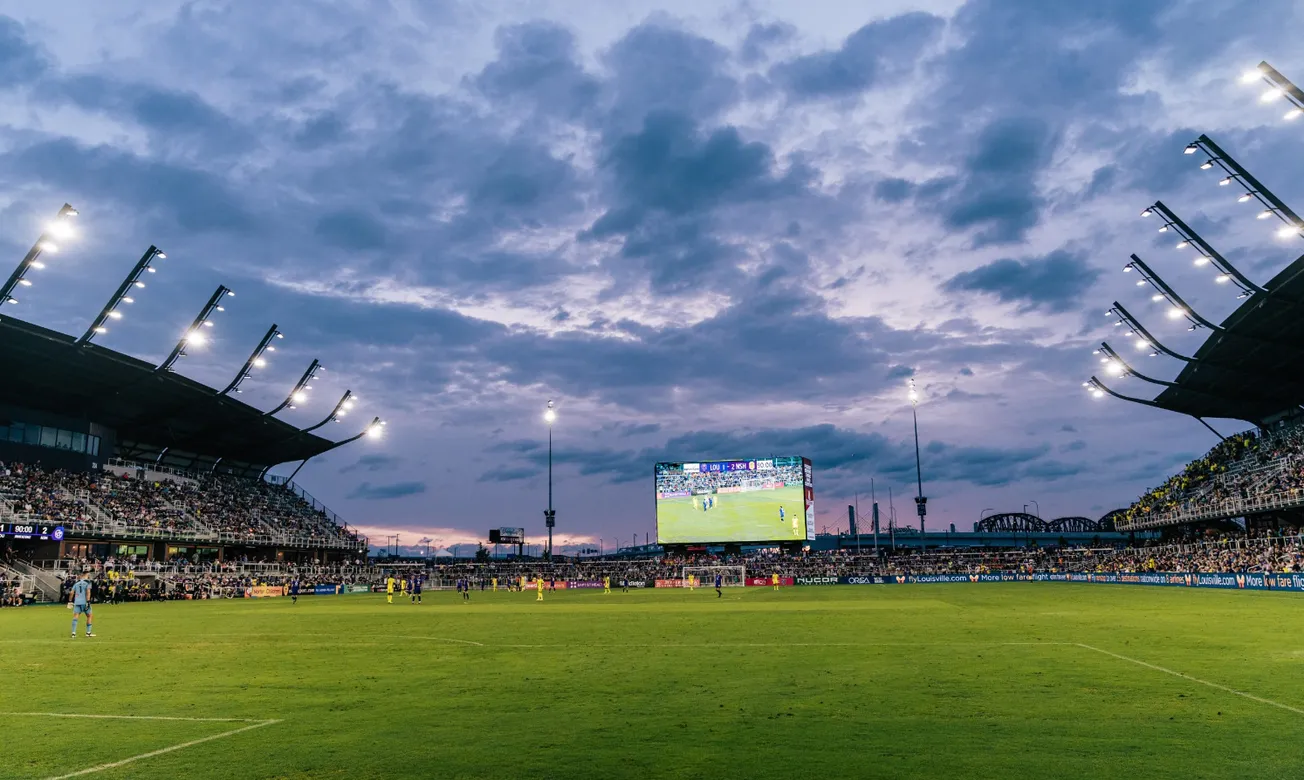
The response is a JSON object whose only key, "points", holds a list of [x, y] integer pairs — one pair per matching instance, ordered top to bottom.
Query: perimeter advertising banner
{"points": [[756, 582]]}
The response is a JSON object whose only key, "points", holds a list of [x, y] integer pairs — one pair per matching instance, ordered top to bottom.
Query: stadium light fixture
{"points": [[1278, 87], [1253, 188], [44, 244], [1207, 254], [119, 297], [1179, 308], [194, 335], [256, 360], [297, 394], [337, 414], [921, 502], [550, 514]]}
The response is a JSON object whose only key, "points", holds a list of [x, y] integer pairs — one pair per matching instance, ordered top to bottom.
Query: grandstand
{"points": [[1247, 369], [103, 454]]}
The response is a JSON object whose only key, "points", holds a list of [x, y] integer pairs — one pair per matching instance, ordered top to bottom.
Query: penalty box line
{"points": [[1185, 676], [251, 725]]}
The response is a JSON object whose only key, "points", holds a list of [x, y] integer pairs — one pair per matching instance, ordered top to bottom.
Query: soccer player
{"points": [[780, 514], [495, 580], [719, 580], [774, 580], [690, 581], [552, 583], [624, 584], [538, 585], [606, 585], [403, 586], [389, 589], [416, 589], [466, 590], [294, 591], [81, 603]]}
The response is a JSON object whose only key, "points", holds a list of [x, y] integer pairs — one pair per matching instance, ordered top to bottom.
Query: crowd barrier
{"points": [[1224, 580]]}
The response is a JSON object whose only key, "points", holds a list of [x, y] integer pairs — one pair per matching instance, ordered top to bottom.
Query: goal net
{"points": [[704, 576]]}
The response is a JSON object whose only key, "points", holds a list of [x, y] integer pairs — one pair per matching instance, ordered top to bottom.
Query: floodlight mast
{"points": [[1288, 90], [1252, 186], [1208, 253], [32, 258], [121, 296], [1180, 306], [1137, 329], [195, 332], [255, 359], [1124, 369], [297, 394], [337, 414], [374, 430]]}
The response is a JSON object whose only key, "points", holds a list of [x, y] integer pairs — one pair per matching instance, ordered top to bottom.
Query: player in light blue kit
{"points": [[81, 603]]}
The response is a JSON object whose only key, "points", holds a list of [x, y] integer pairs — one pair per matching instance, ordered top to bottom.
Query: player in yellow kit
{"points": [[774, 580], [495, 581], [538, 584], [606, 584], [389, 589]]}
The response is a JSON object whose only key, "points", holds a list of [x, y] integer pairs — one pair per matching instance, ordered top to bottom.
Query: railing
{"points": [[1219, 510]]}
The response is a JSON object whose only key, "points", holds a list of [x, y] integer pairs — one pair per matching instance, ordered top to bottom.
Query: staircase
{"points": [[45, 586]]}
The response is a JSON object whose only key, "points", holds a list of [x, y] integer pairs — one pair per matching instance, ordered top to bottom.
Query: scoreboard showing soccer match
{"points": [[760, 500]]}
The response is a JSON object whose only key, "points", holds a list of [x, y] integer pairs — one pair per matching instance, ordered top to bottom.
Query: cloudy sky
{"points": [[706, 229]]}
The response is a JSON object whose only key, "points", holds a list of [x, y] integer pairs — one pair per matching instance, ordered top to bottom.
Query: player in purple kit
{"points": [[415, 590]]}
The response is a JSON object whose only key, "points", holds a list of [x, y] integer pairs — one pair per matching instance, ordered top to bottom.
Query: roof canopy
{"points": [[1253, 369], [155, 413]]}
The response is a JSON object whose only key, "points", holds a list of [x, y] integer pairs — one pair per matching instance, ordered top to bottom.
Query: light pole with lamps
{"points": [[921, 503], [550, 515]]}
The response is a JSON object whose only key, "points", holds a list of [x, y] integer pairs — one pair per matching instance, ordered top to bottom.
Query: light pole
{"points": [[60, 228], [921, 503], [550, 516]]}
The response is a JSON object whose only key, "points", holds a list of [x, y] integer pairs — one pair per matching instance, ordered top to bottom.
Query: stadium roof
{"points": [[1252, 367], [158, 415]]}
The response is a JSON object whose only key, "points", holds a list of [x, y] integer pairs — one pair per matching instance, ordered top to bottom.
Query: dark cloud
{"points": [[761, 38], [879, 50], [21, 61], [538, 63], [657, 68], [669, 182], [997, 192], [192, 199], [351, 229], [1054, 283], [966, 371], [838, 454], [373, 462], [369, 492]]}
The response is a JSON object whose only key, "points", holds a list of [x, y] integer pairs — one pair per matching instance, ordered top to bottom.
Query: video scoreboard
{"points": [[43, 531]]}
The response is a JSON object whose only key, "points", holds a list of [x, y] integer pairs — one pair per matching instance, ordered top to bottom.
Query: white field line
{"points": [[1213, 685], [161, 751]]}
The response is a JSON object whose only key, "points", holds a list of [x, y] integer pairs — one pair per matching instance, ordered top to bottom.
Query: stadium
{"points": [[243, 629]]}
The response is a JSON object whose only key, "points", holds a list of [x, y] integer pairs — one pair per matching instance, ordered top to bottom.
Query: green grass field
{"points": [[752, 516], [924, 681]]}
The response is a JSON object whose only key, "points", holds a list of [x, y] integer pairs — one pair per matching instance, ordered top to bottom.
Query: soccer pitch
{"points": [[750, 516], [1017, 680]]}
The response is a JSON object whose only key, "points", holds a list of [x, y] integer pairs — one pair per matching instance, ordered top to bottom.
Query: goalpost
{"points": [[704, 576]]}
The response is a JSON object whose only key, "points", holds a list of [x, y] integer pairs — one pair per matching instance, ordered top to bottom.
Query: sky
{"points": [[706, 230]]}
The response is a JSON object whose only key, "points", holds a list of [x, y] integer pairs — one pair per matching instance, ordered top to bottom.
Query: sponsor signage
{"points": [[817, 580], [756, 582], [669, 583], [583, 584], [360, 588], [325, 590], [264, 591]]}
